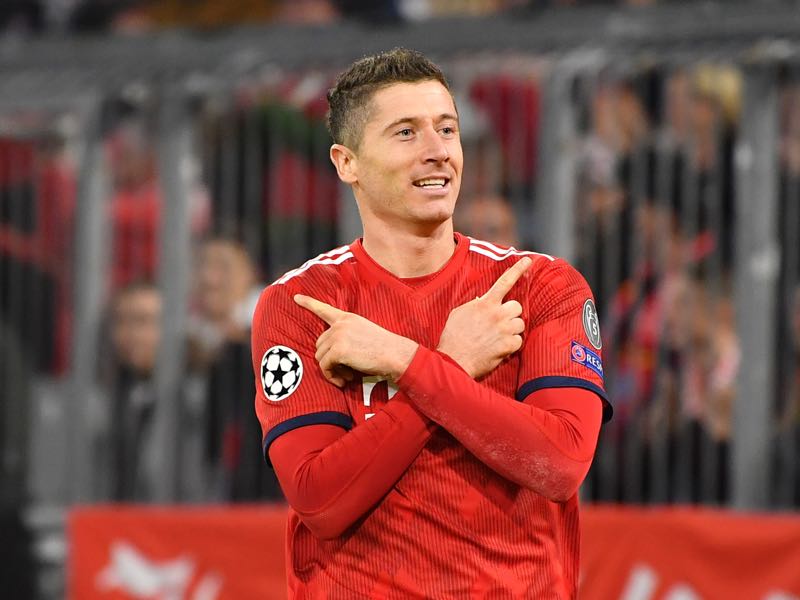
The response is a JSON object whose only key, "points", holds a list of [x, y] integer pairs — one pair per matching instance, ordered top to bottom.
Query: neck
{"points": [[411, 254]]}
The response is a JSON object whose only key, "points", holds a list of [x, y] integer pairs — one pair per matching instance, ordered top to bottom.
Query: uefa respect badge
{"points": [[583, 356]]}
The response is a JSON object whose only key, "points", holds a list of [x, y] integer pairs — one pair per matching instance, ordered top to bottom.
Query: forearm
{"points": [[548, 451], [332, 478]]}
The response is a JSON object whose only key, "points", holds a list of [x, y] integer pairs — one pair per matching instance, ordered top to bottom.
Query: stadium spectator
{"points": [[318, 12], [205, 14], [22, 16], [136, 16], [512, 107], [619, 129], [790, 129], [482, 150], [705, 180], [296, 182], [675, 187], [300, 189], [37, 202], [136, 204], [489, 218], [226, 290], [638, 315], [639, 328], [135, 333], [704, 351], [718, 362], [709, 366], [15, 397], [127, 403], [793, 406], [689, 407], [788, 432], [127, 450], [787, 465], [17, 561], [18, 568]]}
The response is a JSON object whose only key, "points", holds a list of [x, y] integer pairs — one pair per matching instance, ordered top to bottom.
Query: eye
{"points": [[448, 130], [406, 132]]}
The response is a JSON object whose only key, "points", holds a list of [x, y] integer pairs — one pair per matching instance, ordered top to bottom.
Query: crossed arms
{"points": [[332, 477]]}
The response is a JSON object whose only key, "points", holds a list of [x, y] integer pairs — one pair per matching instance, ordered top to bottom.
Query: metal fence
{"points": [[149, 188]]}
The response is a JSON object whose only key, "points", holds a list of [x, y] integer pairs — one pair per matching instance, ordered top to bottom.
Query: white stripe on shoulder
{"points": [[498, 254], [334, 257]]}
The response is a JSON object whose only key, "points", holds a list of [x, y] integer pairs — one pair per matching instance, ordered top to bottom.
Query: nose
{"points": [[435, 149]]}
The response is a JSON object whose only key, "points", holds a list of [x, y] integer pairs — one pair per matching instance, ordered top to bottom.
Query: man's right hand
{"points": [[478, 335]]}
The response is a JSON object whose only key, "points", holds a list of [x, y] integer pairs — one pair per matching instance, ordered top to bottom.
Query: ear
{"points": [[344, 160]]}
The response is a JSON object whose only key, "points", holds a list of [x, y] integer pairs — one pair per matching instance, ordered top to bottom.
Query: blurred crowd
{"points": [[136, 16], [657, 210], [655, 222], [654, 228], [657, 238], [220, 443], [220, 455]]}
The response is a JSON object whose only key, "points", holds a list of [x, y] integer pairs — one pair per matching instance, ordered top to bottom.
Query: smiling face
{"points": [[406, 172]]}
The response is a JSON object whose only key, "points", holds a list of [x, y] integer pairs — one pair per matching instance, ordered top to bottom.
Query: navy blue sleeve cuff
{"points": [[540, 383], [319, 418]]}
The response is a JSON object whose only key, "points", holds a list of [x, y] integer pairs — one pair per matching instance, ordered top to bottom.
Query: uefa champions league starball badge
{"points": [[281, 372]]}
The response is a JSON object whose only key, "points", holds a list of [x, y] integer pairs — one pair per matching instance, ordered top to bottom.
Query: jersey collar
{"points": [[434, 282]]}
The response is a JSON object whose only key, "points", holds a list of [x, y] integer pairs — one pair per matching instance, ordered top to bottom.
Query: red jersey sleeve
{"points": [[562, 346], [291, 391]]}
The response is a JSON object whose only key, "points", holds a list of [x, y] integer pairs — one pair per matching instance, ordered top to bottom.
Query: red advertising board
{"points": [[132, 553], [226, 553], [688, 554]]}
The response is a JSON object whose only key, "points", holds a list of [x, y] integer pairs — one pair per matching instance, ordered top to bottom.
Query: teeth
{"points": [[430, 183]]}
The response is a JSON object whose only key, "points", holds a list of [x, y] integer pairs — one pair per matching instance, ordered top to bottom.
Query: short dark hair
{"points": [[349, 100]]}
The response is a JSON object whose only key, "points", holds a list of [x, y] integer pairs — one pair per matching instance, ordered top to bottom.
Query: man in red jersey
{"points": [[430, 402]]}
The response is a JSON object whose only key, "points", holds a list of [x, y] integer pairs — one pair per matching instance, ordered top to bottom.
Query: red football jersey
{"points": [[451, 527]]}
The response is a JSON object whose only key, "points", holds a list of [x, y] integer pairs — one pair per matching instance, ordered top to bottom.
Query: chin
{"points": [[442, 208], [435, 211], [433, 221]]}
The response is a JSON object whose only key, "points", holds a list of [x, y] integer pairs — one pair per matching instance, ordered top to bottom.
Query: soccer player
{"points": [[430, 402]]}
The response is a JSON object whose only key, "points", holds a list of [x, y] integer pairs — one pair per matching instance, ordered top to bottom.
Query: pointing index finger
{"points": [[506, 281], [326, 312]]}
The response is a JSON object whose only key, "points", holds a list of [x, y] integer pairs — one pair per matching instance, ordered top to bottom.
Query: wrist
{"points": [[402, 356], [462, 361], [453, 362]]}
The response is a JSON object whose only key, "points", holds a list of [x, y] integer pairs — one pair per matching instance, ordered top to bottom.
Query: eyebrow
{"points": [[440, 118]]}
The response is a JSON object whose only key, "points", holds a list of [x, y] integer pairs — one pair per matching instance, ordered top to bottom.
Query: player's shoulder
{"points": [[500, 256], [322, 271], [547, 271], [319, 277]]}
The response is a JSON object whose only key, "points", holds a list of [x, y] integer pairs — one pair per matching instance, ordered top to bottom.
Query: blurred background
{"points": [[163, 160]]}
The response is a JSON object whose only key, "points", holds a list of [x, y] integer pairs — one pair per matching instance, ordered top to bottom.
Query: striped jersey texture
{"points": [[451, 527]]}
